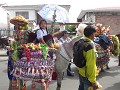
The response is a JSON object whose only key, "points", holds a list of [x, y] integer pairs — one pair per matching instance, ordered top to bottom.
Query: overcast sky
{"points": [[76, 5]]}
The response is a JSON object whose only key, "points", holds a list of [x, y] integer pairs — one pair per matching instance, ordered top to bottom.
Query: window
{"points": [[24, 14]]}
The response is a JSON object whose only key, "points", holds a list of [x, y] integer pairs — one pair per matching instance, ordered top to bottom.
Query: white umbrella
{"points": [[52, 11]]}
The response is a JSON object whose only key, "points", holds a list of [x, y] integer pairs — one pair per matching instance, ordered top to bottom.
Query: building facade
{"points": [[29, 12], [105, 16]]}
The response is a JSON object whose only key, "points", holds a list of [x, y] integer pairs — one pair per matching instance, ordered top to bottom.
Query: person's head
{"points": [[43, 24], [80, 29], [89, 32], [65, 33]]}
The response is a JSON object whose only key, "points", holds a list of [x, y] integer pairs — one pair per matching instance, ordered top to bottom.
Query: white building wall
{"points": [[12, 14], [32, 14], [3, 18]]}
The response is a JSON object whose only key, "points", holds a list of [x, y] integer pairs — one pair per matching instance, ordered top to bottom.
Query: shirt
{"points": [[41, 33], [63, 40], [90, 70]]}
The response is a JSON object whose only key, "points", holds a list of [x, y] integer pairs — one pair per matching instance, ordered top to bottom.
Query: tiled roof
{"points": [[104, 9]]}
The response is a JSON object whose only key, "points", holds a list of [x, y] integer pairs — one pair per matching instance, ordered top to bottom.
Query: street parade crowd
{"points": [[32, 55]]}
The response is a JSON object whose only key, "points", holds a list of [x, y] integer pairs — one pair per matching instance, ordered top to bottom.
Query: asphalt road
{"points": [[110, 79]]}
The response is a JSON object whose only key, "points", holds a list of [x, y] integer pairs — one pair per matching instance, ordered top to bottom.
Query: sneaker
{"points": [[69, 73]]}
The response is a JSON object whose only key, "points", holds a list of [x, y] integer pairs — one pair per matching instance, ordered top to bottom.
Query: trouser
{"points": [[51, 52], [119, 60], [69, 69], [84, 83]]}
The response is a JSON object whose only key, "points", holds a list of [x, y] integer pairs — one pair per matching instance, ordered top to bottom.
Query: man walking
{"points": [[63, 39], [87, 74]]}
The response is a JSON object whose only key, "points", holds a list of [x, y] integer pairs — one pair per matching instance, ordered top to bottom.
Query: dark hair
{"points": [[43, 20], [89, 30]]}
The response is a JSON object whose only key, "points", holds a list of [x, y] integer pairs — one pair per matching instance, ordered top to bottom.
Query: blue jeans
{"points": [[84, 83]]}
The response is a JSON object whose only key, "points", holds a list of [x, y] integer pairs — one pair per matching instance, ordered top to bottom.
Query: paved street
{"points": [[110, 79]]}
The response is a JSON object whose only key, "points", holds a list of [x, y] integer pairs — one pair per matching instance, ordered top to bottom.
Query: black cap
{"points": [[89, 30], [65, 32]]}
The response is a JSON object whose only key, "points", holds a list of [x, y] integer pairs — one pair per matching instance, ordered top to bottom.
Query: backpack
{"points": [[31, 37], [78, 57]]}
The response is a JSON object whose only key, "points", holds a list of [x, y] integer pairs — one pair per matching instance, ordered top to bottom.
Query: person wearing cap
{"points": [[67, 39], [87, 74]]}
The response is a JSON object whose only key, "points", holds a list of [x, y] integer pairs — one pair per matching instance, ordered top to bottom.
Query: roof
{"points": [[2, 4], [31, 7], [104, 9]]}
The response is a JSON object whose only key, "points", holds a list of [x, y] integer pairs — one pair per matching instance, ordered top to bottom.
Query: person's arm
{"points": [[40, 36], [42, 40], [61, 40], [91, 65]]}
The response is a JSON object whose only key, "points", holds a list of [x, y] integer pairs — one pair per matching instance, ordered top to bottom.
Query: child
{"points": [[42, 34]]}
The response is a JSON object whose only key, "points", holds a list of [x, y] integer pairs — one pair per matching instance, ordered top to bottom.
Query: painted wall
{"points": [[32, 14], [3, 18]]}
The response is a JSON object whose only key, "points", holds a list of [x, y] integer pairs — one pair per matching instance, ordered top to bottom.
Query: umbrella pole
{"points": [[53, 23]]}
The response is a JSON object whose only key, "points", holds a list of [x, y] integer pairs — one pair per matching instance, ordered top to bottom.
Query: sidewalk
{"points": [[3, 52], [3, 55], [108, 79]]}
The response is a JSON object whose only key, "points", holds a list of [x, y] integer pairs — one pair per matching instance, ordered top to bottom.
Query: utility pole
{"points": [[8, 23], [53, 23]]}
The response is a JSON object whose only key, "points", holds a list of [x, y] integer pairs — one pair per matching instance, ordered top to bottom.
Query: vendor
{"points": [[42, 34], [67, 39]]}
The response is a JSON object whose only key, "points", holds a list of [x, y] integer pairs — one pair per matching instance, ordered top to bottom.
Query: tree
{"points": [[70, 28]]}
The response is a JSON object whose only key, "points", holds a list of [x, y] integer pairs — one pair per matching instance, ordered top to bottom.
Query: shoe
{"points": [[102, 70], [69, 73]]}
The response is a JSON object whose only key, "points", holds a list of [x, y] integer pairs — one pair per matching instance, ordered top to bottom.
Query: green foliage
{"points": [[70, 28], [116, 45]]}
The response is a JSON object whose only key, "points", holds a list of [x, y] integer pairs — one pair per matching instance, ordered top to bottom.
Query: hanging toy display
{"points": [[19, 20], [21, 28], [98, 28], [21, 34], [102, 43], [115, 50], [103, 56], [31, 61], [35, 63]]}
